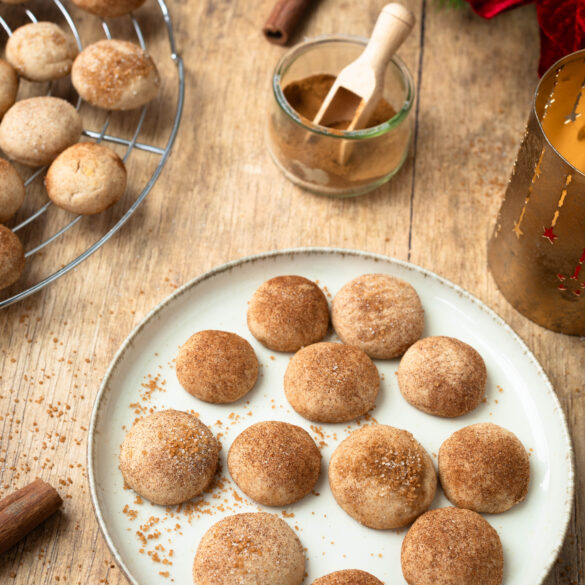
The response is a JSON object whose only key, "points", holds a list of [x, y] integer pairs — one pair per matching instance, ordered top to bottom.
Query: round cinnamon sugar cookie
{"points": [[109, 8], [41, 51], [115, 75], [8, 86], [34, 131], [87, 178], [12, 191], [11, 257], [288, 312], [380, 314], [217, 366], [442, 376], [331, 382], [169, 457], [274, 463], [485, 468], [382, 477], [450, 546], [249, 549], [348, 577]]}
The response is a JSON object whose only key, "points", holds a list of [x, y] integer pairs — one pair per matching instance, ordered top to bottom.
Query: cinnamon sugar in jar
{"points": [[308, 154]]}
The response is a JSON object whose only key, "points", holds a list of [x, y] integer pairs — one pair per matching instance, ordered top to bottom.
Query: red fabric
{"points": [[490, 8], [562, 25], [562, 29]]}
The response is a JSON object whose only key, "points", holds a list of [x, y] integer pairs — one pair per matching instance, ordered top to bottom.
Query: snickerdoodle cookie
{"points": [[109, 8], [41, 51], [115, 75], [8, 86], [34, 131], [86, 178], [12, 191], [11, 257], [287, 312], [380, 314], [217, 366], [442, 376], [331, 382], [169, 457], [274, 463], [484, 467], [382, 477], [451, 546], [249, 549], [348, 577]]}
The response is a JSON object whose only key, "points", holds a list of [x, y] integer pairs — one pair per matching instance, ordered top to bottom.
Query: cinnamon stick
{"points": [[283, 19], [24, 510]]}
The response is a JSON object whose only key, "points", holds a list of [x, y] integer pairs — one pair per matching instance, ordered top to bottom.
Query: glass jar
{"points": [[308, 154]]}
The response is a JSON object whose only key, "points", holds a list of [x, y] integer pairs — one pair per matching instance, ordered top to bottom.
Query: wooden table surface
{"points": [[220, 198]]}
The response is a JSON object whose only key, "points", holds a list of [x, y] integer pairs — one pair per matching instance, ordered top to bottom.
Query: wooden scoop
{"points": [[358, 88]]}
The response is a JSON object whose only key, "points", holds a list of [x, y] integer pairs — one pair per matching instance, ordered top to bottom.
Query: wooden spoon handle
{"points": [[392, 27]]}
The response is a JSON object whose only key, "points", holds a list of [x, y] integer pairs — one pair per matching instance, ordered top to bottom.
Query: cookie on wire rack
{"points": [[109, 8]]}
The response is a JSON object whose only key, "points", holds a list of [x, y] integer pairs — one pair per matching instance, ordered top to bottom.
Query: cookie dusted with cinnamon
{"points": [[109, 8], [41, 51], [115, 75], [8, 86], [36, 130], [87, 178], [12, 191], [11, 257], [288, 312], [380, 314], [217, 366], [442, 376], [331, 382], [169, 457], [274, 463], [485, 468], [382, 477], [451, 546], [249, 549], [348, 577]]}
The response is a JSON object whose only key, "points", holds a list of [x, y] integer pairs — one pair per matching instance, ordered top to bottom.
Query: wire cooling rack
{"points": [[131, 144]]}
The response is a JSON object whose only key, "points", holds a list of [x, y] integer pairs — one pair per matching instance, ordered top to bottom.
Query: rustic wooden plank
{"points": [[221, 198]]}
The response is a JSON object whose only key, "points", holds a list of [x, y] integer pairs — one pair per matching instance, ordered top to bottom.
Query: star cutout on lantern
{"points": [[516, 229], [549, 235]]}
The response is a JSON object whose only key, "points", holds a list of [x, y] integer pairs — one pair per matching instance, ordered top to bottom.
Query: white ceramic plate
{"points": [[519, 397]]}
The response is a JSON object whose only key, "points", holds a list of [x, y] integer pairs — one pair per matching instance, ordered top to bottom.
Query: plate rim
{"points": [[323, 250]]}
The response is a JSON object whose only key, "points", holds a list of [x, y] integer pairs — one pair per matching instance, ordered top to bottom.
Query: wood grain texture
{"points": [[221, 198]]}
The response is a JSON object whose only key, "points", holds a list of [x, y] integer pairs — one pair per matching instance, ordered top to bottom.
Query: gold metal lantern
{"points": [[537, 250]]}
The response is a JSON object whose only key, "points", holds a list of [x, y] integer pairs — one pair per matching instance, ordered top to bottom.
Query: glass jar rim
{"points": [[290, 56]]}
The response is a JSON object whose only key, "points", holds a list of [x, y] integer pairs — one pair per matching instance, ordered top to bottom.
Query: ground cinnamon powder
{"points": [[315, 161]]}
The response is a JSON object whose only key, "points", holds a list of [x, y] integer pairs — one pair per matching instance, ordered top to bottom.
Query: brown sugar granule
{"points": [[288, 312], [274, 463], [484, 467], [382, 477], [452, 546], [249, 549]]}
